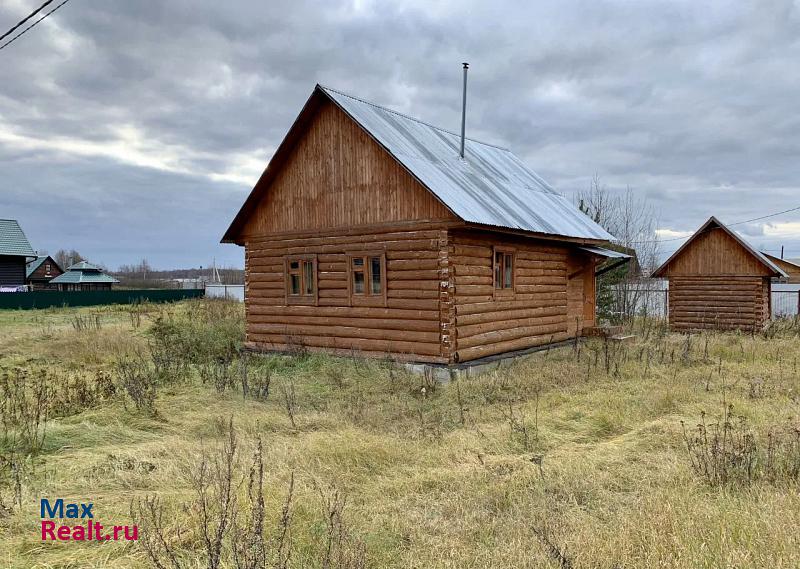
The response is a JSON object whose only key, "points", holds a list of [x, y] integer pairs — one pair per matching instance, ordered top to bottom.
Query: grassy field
{"points": [[586, 456]]}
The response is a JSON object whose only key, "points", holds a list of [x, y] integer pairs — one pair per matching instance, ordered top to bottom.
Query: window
{"points": [[47, 268], [504, 275], [367, 278], [301, 280]]}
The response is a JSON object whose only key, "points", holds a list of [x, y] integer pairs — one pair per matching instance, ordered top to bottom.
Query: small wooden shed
{"points": [[369, 233], [40, 271], [718, 281]]}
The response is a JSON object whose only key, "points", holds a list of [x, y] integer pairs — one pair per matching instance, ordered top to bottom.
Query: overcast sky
{"points": [[136, 129]]}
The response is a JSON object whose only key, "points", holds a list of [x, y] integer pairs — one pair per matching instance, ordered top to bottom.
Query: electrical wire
{"points": [[26, 30]]}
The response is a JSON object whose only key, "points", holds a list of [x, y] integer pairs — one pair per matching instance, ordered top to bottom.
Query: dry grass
{"points": [[566, 459]]}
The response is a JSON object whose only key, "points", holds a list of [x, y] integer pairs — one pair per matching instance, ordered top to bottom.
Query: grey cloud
{"points": [[690, 104]]}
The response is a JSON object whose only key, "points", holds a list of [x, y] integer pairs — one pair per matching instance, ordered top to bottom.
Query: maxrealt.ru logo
{"points": [[87, 530]]}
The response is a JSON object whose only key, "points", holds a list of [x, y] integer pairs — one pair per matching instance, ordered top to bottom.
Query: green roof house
{"points": [[15, 251], [41, 271], [84, 276]]}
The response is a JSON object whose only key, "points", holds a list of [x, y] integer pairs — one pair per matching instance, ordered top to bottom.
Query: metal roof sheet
{"points": [[489, 186], [13, 240], [603, 252], [33, 265]]}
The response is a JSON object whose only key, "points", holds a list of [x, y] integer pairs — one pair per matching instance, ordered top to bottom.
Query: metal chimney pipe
{"points": [[464, 109]]}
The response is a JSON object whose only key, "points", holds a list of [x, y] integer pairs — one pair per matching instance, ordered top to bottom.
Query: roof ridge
{"points": [[409, 117]]}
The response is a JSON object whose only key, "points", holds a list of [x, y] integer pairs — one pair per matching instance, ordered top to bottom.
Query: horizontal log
{"points": [[352, 237], [371, 246], [410, 275], [412, 293], [549, 299], [346, 311], [507, 315], [556, 317], [304, 321], [303, 330], [493, 337], [374, 345], [345, 352], [467, 354]]}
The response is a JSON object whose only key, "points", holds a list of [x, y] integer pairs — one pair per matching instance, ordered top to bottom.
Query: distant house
{"points": [[370, 232], [15, 251], [790, 267], [41, 271], [84, 276], [718, 281]]}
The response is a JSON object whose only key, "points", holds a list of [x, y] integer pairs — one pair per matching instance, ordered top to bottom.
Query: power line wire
{"points": [[28, 17], [23, 32], [727, 225]]}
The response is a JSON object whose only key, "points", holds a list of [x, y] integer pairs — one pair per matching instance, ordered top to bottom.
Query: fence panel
{"points": [[232, 292], [54, 298], [785, 303]]}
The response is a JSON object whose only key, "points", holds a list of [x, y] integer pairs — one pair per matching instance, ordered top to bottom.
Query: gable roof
{"points": [[489, 186], [712, 223], [13, 241], [793, 264], [31, 267], [83, 272]]}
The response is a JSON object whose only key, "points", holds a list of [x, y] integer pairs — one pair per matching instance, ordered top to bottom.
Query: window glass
{"points": [[294, 265], [498, 270], [375, 274], [308, 277], [358, 281], [508, 282], [294, 284]]}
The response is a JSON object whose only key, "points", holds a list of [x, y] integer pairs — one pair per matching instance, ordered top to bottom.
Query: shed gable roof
{"points": [[489, 186], [714, 223], [13, 241], [32, 266]]}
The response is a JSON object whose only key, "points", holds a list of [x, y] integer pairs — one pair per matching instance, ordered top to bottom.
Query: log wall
{"points": [[718, 303], [545, 306], [408, 327]]}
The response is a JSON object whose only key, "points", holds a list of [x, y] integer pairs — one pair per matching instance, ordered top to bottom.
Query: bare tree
{"points": [[65, 258], [622, 293]]}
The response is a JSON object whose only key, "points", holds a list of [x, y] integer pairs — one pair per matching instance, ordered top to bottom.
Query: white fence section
{"points": [[233, 292]]}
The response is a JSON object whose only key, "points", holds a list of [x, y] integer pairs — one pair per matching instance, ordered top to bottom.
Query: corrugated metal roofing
{"points": [[489, 186], [13, 240], [603, 252], [33, 265], [83, 272]]}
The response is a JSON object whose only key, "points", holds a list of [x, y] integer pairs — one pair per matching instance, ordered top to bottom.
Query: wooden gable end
{"points": [[337, 176], [714, 252]]}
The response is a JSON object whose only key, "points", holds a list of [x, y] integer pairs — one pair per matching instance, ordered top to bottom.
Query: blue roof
{"points": [[13, 241], [83, 272]]}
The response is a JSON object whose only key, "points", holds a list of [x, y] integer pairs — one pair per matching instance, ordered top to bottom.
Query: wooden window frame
{"points": [[503, 292], [368, 298], [302, 299]]}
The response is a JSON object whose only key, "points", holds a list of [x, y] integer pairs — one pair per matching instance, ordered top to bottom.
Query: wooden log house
{"points": [[368, 233], [15, 252], [40, 271], [718, 281]]}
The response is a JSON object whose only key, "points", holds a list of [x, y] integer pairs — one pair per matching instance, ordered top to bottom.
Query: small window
{"points": [[47, 268], [503, 271], [368, 278], [301, 280]]}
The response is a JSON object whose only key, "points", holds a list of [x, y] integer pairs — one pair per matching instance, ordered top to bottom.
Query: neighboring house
{"points": [[368, 233], [15, 251], [791, 268], [41, 271], [84, 276], [718, 281]]}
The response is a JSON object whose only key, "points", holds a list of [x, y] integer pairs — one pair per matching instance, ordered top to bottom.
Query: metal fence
{"points": [[231, 292], [54, 298]]}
